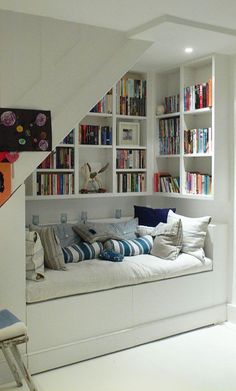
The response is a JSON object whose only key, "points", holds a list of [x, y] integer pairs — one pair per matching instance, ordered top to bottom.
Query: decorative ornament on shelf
{"points": [[160, 109], [91, 179]]}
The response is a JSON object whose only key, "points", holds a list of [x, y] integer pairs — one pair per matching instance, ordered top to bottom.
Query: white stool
{"points": [[12, 333]]}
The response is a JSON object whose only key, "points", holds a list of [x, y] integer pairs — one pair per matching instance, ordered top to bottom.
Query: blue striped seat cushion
{"points": [[131, 247], [80, 252]]}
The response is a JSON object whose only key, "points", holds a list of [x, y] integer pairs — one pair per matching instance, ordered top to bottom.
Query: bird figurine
{"points": [[92, 179]]}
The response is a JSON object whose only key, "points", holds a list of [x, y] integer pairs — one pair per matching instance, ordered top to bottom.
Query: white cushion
{"points": [[194, 233]]}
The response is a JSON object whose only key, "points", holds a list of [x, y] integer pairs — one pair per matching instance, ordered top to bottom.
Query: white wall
{"points": [[63, 67]]}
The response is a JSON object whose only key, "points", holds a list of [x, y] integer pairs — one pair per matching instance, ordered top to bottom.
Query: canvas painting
{"points": [[25, 130], [5, 182]]}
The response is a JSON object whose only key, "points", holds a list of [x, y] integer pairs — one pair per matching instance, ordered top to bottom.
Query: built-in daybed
{"points": [[97, 307]]}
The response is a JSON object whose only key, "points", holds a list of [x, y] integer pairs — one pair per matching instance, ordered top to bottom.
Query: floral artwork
{"points": [[25, 130], [5, 182]]}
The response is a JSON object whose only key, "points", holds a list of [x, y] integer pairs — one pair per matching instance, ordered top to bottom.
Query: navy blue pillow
{"points": [[151, 217], [110, 255]]}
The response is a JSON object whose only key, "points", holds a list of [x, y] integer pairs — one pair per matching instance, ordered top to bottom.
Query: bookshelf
{"points": [[185, 138], [97, 141]]}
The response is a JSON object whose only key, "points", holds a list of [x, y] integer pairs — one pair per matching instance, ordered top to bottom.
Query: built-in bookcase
{"points": [[115, 129], [185, 138]]}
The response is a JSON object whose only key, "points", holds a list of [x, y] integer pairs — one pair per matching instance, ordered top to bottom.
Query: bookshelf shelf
{"points": [[205, 110], [101, 115], [131, 117], [85, 146], [130, 147], [197, 155], [168, 156], [54, 170], [131, 170]]}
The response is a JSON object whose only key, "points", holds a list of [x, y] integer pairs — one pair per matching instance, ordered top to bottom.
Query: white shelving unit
{"points": [[99, 155], [178, 165]]}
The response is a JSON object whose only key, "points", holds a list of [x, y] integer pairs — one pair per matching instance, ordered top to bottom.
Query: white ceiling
{"points": [[125, 15]]}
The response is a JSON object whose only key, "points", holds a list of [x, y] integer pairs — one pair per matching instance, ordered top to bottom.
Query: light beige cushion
{"points": [[143, 230], [194, 233], [168, 240], [53, 255]]}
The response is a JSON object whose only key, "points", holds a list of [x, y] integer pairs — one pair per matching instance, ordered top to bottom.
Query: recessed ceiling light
{"points": [[188, 50]]}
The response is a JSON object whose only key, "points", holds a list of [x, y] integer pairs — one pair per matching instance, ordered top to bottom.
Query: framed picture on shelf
{"points": [[128, 133]]}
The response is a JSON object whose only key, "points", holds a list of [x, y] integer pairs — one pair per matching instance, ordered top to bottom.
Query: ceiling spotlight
{"points": [[188, 50]]}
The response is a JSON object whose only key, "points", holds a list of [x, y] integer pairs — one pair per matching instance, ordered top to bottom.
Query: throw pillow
{"points": [[151, 217], [143, 230], [64, 232], [93, 232], [194, 233], [168, 240], [131, 247], [82, 251], [53, 255], [110, 255], [34, 257]]}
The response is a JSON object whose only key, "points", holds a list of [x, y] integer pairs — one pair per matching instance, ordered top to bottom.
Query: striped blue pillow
{"points": [[131, 247], [80, 252]]}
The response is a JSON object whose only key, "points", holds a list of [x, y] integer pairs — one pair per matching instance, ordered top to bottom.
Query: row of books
{"points": [[198, 96], [131, 97], [171, 104], [104, 105], [132, 106], [169, 127], [95, 135], [69, 139], [198, 141], [169, 145], [59, 158], [132, 158], [131, 182], [166, 183], [197, 183], [55, 184]]}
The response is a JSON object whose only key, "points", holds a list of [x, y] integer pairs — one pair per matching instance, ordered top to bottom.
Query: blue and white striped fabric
{"points": [[131, 247], [80, 252], [10, 326]]}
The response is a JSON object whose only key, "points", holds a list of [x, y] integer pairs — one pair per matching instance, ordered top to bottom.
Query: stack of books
{"points": [[198, 96], [131, 97], [171, 104], [104, 105], [95, 135], [169, 136], [198, 141], [59, 158], [130, 158], [131, 182], [166, 183], [197, 183], [55, 184]]}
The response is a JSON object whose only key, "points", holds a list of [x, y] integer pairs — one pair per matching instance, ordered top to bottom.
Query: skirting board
{"points": [[231, 313], [113, 342]]}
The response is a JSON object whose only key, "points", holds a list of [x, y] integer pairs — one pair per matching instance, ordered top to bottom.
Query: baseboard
{"points": [[231, 313], [93, 347]]}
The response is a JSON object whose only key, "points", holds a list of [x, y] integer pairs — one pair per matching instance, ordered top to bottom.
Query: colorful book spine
{"points": [[198, 96], [131, 97], [171, 104], [104, 105], [95, 135], [169, 136], [69, 139], [198, 141], [59, 158], [130, 158], [131, 182], [163, 182], [197, 183], [55, 184]]}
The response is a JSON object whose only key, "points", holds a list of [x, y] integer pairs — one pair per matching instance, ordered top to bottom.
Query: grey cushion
{"points": [[93, 232], [65, 233], [194, 233], [168, 240], [53, 255]]}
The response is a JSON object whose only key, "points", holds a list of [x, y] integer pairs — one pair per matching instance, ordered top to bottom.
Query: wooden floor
{"points": [[201, 360]]}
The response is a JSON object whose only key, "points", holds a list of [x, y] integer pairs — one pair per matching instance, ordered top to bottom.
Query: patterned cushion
{"points": [[64, 232], [131, 247], [80, 252], [53, 255], [110, 255]]}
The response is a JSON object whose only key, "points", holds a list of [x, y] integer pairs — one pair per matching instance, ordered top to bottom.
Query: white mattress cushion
{"points": [[95, 275]]}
